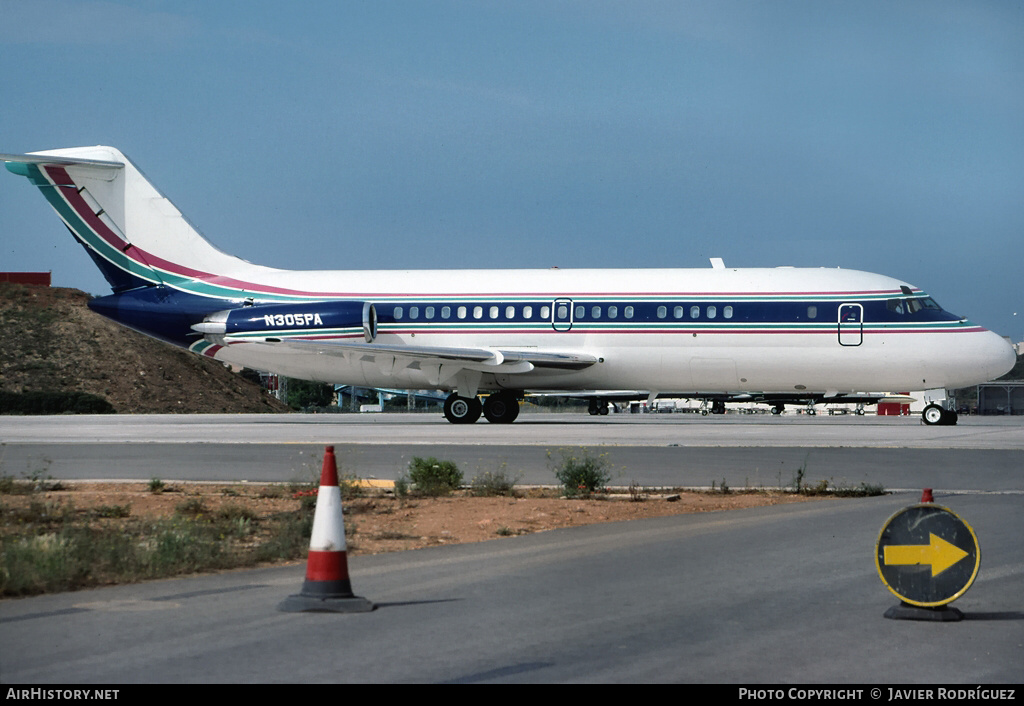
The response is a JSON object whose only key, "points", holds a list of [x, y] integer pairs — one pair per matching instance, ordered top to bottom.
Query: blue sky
{"points": [[883, 136]]}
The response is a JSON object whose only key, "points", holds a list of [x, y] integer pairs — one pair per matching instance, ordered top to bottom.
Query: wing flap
{"points": [[507, 360]]}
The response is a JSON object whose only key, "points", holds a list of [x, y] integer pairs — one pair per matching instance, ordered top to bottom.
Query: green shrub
{"points": [[581, 472], [434, 477], [489, 484]]}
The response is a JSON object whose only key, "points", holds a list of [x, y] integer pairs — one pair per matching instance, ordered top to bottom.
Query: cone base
{"points": [[300, 603]]}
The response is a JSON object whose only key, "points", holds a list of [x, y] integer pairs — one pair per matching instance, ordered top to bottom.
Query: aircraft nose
{"points": [[999, 356], [977, 357]]}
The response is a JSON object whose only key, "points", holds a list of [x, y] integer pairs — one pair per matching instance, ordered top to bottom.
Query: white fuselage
{"points": [[687, 351]]}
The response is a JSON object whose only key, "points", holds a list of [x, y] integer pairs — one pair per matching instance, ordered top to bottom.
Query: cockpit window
{"points": [[911, 305]]}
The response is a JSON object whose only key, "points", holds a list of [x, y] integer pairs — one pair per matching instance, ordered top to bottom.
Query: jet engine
{"points": [[266, 320]]}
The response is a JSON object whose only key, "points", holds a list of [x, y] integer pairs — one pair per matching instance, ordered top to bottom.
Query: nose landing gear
{"points": [[936, 414]]}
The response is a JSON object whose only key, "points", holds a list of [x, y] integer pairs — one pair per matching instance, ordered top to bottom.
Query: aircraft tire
{"points": [[501, 408], [462, 410], [933, 414], [949, 417]]}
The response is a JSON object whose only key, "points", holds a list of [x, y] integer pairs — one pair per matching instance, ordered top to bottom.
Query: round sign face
{"points": [[927, 556]]}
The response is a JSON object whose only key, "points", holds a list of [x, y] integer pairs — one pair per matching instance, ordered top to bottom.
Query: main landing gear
{"points": [[498, 408], [936, 414]]}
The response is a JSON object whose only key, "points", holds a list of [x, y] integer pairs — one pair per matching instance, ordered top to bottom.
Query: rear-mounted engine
{"points": [[268, 320]]}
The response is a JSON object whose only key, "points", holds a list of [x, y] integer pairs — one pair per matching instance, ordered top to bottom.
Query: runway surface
{"points": [[980, 453], [785, 594]]}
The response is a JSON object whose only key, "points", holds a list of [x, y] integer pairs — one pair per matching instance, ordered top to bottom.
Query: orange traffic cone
{"points": [[327, 587]]}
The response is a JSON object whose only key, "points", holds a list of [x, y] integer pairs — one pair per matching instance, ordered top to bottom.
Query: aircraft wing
{"points": [[483, 359]]}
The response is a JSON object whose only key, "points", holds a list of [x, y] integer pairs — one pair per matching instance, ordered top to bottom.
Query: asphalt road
{"points": [[786, 594]]}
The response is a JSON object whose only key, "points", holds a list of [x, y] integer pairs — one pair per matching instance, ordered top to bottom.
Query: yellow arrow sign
{"points": [[939, 553]]}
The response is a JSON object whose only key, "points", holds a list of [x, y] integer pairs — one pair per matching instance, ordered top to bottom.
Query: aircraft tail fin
{"points": [[136, 236]]}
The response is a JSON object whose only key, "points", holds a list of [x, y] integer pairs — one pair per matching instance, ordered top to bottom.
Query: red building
{"points": [[42, 278]]}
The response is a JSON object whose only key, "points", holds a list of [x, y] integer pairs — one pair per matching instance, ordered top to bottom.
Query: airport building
{"points": [[1001, 397]]}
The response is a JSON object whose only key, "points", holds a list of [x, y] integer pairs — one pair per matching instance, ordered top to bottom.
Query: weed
{"points": [[580, 472], [434, 477], [798, 477], [489, 484], [9, 485], [156, 485], [351, 487], [402, 487], [864, 490], [272, 491], [636, 492], [193, 507], [114, 510], [233, 512], [54, 554]]}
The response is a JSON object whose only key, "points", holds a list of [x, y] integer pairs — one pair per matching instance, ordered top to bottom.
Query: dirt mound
{"points": [[53, 342]]}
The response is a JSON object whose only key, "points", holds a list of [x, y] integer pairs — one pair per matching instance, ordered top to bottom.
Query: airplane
{"points": [[777, 334]]}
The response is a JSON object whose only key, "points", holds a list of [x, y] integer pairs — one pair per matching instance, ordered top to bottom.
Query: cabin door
{"points": [[561, 314], [851, 324]]}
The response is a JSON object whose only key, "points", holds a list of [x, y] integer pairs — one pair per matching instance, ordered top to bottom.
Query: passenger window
{"points": [[580, 310], [493, 311], [563, 311], [398, 312], [414, 312], [446, 312], [462, 312], [478, 312], [510, 312], [527, 312], [545, 312], [595, 312], [613, 312], [628, 312], [662, 312], [677, 312], [694, 312], [712, 312], [727, 312], [812, 312], [428, 313]]}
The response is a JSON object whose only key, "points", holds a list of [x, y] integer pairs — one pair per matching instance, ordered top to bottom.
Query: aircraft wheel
{"points": [[501, 408], [778, 409], [461, 410], [603, 410], [933, 414], [949, 417]]}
